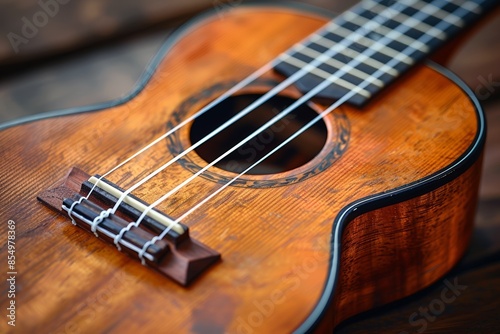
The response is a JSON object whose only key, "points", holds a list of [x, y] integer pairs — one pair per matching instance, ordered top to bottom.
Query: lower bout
{"points": [[396, 250]]}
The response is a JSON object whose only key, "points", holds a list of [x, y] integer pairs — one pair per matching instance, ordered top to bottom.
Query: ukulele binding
{"points": [[177, 255]]}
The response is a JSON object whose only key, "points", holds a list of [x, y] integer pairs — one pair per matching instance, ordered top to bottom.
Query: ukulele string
{"points": [[424, 39], [412, 48], [319, 60], [252, 77], [245, 82], [286, 83], [273, 92], [221, 98]]}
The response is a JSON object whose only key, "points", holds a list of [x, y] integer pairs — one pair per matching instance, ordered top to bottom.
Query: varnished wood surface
{"points": [[92, 142], [475, 308]]}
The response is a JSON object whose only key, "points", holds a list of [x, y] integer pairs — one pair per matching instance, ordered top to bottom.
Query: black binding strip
{"points": [[398, 195]]}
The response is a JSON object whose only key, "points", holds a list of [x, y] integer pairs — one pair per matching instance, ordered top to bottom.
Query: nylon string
{"points": [[411, 49], [319, 60], [289, 81]]}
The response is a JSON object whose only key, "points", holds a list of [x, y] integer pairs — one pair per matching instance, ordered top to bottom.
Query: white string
{"points": [[381, 71], [302, 72], [376, 75], [252, 77], [289, 81], [286, 83], [231, 91], [300, 101], [99, 219]]}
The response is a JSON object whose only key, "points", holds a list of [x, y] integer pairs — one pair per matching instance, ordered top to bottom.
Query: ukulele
{"points": [[277, 171]]}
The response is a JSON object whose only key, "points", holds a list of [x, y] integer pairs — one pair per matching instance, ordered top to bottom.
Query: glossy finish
{"points": [[274, 232]]}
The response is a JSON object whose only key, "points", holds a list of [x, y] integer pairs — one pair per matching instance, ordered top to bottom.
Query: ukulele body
{"points": [[383, 210]]}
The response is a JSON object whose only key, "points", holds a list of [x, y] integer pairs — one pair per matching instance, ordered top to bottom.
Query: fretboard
{"points": [[367, 47]]}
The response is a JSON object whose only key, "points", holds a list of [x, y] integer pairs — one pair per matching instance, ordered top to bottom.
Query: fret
{"points": [[472, 7], [439, 13], [414, 24], [401, 38], [369, 43], [354, 51], [351, 53], [374, 63], [338, 65], [369, 66], [346, 68], [327, 76]]}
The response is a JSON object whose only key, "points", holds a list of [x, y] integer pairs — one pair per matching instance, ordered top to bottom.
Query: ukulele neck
{"points": [[367, 47]]}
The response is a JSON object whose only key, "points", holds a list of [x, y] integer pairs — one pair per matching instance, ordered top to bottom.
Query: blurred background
{"points": [[87, 52]]}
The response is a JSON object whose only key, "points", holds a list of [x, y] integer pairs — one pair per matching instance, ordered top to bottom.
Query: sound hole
{"points": [[294, 154]]}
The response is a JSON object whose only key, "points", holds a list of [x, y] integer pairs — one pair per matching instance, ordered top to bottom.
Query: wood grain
{"points": [[275, 242], [473, 309]]}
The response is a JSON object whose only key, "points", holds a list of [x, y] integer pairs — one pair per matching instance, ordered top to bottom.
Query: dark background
{"points": [[95, 50]]}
